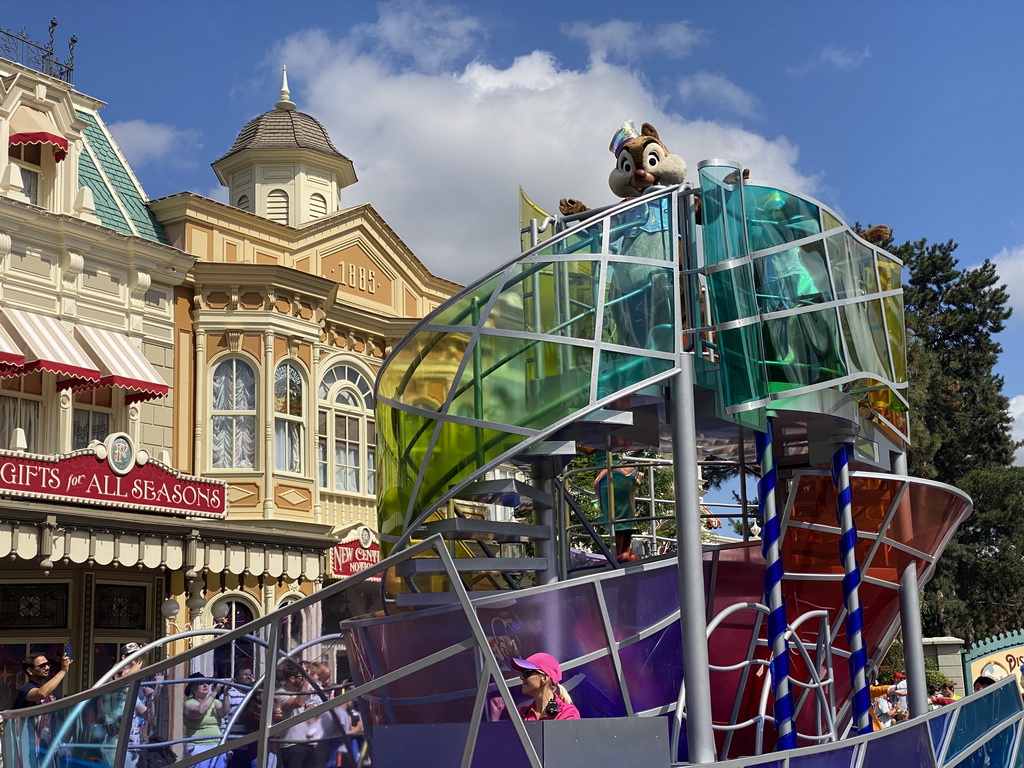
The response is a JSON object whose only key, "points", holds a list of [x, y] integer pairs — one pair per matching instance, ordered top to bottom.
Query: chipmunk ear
{"points": [[648, 130]]}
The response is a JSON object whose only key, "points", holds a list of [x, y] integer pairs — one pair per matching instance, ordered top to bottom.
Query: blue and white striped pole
{"points": [[771, 544], [851, 586]]}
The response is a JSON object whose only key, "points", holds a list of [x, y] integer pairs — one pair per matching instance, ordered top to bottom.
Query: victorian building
{"points": [[186, 386]]}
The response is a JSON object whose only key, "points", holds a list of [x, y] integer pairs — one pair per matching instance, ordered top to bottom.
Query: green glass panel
{"points": [[722, 214], [775, 217], [829, 221], [643, 231], [590, 239], [853, 266], [890, 272], [792, 278], [557, 298], [639, 305], [466, 309], [894, 322], [866, 342], [802, 349], [619, 370], [421, 371], [742, 375], [523, 382], [402, 442], [460, 450]]}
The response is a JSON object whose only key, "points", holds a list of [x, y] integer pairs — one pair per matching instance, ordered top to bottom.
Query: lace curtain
{"points": [[17, 412], [234, 432]]}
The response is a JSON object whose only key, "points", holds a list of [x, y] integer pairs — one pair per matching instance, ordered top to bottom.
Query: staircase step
{"points": [[507, 492], [463, 528], [472, 565]]}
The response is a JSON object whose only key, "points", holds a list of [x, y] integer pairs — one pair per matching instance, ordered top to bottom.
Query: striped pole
{"points": [[771, 544], [851, 586]]}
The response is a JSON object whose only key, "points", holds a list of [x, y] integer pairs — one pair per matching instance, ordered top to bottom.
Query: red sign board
{"points": [[111, 474], [352, 557]]}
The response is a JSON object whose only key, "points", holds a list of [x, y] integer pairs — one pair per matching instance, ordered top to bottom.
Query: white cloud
{"points": [[430, 36], [627, 40], [834, 58], [718, 92], [142, 142], [441, 154], [1010, 267], [1017, 414]]}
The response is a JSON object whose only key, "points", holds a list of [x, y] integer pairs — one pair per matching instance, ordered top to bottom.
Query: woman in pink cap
{"points": [[542, 677]]}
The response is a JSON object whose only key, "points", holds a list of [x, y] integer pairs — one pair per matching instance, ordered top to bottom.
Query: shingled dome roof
{"points": [[284, 129]]}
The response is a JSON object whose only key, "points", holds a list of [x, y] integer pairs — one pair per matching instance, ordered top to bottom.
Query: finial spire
{"points": [[284, 104]]}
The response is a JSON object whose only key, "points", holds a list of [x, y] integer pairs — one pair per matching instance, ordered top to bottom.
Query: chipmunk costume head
{"points": [[641, 161]]}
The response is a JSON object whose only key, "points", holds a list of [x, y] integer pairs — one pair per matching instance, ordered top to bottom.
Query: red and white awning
{"points": [[32, 126], [47, 346], [11, 359], [121, 364]]}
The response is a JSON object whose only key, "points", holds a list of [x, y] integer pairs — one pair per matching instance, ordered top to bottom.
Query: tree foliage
{"points": [[961, 434]]}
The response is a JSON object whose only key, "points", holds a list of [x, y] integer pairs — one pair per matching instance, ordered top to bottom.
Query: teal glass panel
{"points": [[722, 214], [775, 217], [643, 231], [589, 239], [853, 266], [890, 272], [793, 278], [732, 294], [557, 298], [639, 305], [466, 309], [894, 323], [866, 341], [802, 349], [421, 370], [618, 371], [743, 376], [523, 382], [979, 714], [940, 731], [997, 752]]}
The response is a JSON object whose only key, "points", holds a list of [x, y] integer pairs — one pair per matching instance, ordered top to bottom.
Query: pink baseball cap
{"points": [[540, 662]]}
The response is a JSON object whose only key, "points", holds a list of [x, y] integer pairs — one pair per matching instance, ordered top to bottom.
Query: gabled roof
{"points": [[120, 201]]}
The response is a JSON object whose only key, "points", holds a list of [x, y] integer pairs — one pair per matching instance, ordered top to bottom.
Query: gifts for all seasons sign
{"points": [[111, 474]]}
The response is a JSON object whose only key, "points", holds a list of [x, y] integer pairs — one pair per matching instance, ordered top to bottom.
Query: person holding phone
{"points": [[40, 686], [206, 705]]}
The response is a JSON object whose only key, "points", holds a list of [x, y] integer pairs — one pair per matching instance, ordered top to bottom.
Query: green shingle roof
{"points": [[115, 181]]}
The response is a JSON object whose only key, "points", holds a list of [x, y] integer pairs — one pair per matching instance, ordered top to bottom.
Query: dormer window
{"points": [[34, 139]]}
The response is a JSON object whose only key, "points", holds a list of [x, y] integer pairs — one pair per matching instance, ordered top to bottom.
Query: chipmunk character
{"points": [[641, 160]]}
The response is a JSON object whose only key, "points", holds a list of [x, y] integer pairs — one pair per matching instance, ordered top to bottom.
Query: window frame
{"points": [[234, 413], [299, 420], [327, 466]]}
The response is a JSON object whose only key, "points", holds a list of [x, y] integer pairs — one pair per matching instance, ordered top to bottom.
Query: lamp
{"points": [[169, 608], [220, 610]]}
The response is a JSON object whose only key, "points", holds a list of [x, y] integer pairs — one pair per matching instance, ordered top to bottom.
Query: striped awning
{"points": [[32, 126], [47, 346], [12, 361], [121, 364]]}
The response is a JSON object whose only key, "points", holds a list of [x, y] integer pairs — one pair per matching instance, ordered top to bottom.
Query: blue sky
{"points": [[889, 112]]}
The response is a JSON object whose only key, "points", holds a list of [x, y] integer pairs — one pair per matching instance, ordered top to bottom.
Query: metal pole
{"points": [[543, 477], [771, 545], [913, 648], [700, 737]]}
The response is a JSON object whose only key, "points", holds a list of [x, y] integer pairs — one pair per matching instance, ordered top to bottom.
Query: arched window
{"points": [[243, 202], [277, 206], [317, 206], [234, 415], [288, 418], [346, 451], [229, 659]]}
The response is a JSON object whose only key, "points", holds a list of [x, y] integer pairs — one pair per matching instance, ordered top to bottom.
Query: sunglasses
{"points": [[40, 666], [527, 674]]}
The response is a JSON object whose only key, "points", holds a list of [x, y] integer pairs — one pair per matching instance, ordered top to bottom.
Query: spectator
{"points": [[618, 502], [542, 678], [982, 682], [40, 686], [206, 705], [241, 721], [139, 731], [294, 750]]}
